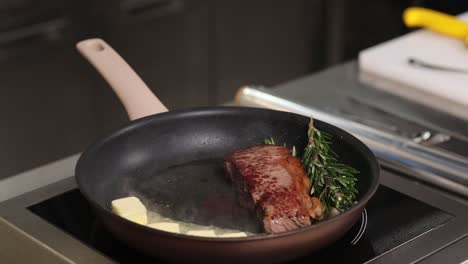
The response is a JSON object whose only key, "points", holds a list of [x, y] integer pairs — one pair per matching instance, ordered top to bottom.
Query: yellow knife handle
{"points": [[435, 21]]}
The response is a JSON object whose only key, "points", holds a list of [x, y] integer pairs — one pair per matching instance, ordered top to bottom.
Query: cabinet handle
{"points": [[157, 8], [45, 29]]}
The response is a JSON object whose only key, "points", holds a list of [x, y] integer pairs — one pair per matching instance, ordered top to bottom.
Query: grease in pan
{"points": [[285, 193]]}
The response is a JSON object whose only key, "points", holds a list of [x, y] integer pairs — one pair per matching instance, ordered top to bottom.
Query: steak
{"points": [[272, 182]]}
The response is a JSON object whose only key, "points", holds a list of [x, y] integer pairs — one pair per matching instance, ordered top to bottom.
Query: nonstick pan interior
{"points": [[173, 161]]}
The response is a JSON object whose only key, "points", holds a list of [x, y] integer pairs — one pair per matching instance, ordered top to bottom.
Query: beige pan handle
{"points": [[134, 94]]}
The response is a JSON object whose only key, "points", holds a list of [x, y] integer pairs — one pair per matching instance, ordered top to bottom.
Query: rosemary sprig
{"points": [[332, 182]]}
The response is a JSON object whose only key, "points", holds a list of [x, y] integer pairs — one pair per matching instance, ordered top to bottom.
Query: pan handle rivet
{"points": [[97, 46]]}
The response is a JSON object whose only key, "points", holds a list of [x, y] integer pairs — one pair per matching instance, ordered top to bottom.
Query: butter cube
{"points": [[131, 209], [137, 218], [166, 226], [202, 233], [237, 234]]}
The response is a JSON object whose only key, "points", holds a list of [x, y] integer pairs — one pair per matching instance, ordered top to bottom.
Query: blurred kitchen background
{"points": [[190, 52]]}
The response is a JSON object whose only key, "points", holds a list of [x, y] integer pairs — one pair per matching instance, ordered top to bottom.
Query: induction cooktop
{"points": [[391, 219], [405, 222]]}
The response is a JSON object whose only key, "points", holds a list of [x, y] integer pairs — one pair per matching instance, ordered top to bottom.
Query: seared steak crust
{"points": [[272, 182]]}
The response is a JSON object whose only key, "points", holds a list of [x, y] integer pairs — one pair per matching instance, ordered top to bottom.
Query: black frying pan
{"points": [[173, 162]]}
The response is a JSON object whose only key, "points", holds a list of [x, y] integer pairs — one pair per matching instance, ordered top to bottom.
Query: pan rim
{"points": [[134, 124]]}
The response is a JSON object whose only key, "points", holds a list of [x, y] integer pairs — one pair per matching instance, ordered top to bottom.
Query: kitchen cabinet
{"points": [[259, 42], [167, 44], [191, 53]]}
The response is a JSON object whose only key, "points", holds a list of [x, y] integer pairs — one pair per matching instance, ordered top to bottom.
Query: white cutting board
{"points": [[387, 63]]}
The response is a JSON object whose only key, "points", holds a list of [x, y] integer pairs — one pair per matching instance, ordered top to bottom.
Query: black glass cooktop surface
{"points": [[390, 219]]}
